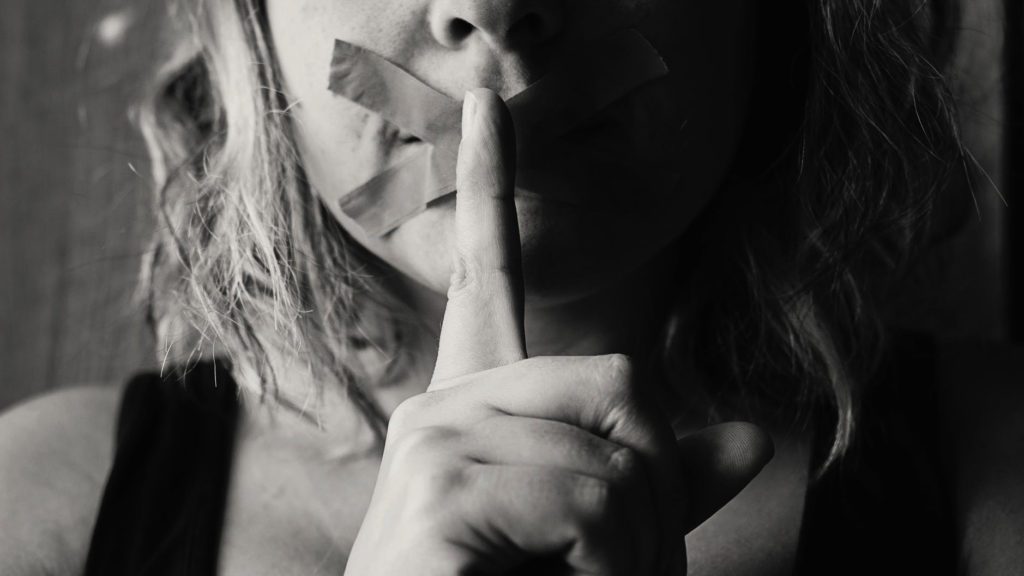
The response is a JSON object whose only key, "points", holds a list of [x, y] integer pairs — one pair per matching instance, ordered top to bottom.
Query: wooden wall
{"points": [[74, 194], [75, 197]]}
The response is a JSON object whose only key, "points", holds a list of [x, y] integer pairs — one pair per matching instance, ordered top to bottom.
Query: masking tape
{"points": [[577, 87]]}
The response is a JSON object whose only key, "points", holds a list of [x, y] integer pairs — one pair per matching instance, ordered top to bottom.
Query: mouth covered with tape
{"points": [[568, 150]]}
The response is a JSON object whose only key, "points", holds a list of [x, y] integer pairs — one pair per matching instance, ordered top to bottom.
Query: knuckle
{"points": [[465, 278], [475, 278], [618, 370], [613, 373], [616, 373], [413, 411], [404, 415], [426, 438], [418, 447], [625, 463], [438, 480], [429, 488], [594, 497], [597, 525]]}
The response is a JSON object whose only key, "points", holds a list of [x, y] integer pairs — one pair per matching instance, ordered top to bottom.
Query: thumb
{"points": [[483, 320], [718, 462]]}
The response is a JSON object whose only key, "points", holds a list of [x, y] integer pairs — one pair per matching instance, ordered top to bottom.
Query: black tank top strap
{"points": [[163, 505]]}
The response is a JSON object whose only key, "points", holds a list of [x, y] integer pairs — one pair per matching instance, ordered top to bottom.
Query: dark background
{"points": [[75, 193]]}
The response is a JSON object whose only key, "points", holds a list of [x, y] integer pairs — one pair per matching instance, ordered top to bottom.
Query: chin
{"points": [[568, 251]]}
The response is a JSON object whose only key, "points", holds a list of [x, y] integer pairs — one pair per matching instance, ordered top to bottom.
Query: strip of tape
{"points": [[577, 87]]}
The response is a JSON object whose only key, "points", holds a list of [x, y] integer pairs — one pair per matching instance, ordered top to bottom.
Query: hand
{"points": [[508, 460]]}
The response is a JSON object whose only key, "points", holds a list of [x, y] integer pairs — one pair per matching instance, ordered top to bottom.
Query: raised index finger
{"points": [[483, 321]]}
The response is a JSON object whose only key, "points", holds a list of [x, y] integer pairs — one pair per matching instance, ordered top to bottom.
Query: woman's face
{"points": [[569, 250]]}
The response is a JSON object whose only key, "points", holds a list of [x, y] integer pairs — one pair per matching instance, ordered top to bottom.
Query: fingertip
{"points": [[487, 99], [469, 110], [489, 128], [745, 447], [720, 461]]}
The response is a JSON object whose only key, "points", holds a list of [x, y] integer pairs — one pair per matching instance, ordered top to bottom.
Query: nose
{"points": [[503, 24]]}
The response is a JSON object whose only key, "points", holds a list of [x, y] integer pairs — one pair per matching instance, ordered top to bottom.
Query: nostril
{"points": [[508, 24], [536, 27], [459, 29]]}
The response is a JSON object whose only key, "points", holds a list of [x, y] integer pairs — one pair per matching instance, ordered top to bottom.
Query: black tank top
{"points": [[162, 508], [885, 510]]}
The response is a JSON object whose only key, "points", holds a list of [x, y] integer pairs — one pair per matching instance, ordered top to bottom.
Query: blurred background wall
{"points": [[74, 192], [75, 197]]}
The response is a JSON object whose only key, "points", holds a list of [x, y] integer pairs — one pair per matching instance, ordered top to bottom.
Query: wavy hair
{"points": [[851, 138]]}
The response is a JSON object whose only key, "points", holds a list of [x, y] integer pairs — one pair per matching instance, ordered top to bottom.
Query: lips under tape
{"points": [[576, 88]]}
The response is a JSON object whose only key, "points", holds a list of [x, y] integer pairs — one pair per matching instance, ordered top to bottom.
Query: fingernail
{"points": [[468, 112]]}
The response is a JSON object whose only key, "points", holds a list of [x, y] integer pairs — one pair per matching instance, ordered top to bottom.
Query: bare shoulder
{"points": [[981, 387], [55, 454], [758, 531]]}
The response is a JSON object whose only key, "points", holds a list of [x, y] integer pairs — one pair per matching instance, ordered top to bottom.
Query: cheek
{"points": [[343, 145], [340, 150]]}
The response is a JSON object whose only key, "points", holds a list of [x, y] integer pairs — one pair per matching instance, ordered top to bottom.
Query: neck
{"points": [[624, 316]]}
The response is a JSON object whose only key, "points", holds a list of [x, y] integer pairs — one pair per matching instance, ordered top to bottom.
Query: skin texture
{"points": [[455, 45], [512, 272], [593, 278], [583, 425], [55, 454], [505, 458]]}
